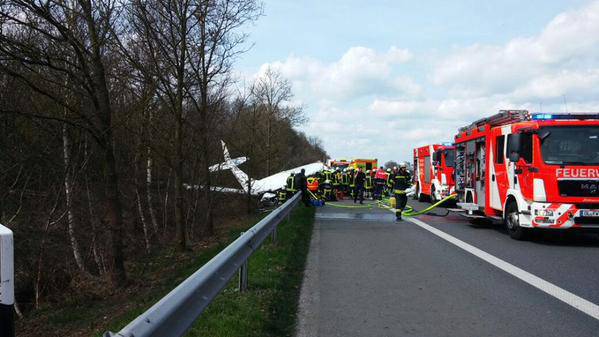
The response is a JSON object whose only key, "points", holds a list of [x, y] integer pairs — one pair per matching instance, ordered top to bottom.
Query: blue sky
{"points": [[377, 78]]}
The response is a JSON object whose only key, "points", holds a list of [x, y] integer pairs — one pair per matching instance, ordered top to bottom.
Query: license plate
{"points": [[589, 212]]}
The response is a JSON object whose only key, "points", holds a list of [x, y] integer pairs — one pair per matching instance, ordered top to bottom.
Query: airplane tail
{"points": [[231, 164]]}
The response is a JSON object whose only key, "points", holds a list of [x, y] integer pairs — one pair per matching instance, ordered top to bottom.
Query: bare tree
{"points": [[50, 41], [214, 46], [188, 47], [273, 93], [391, 164]]}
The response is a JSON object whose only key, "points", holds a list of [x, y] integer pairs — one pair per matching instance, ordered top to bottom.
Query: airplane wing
{"points": [[227, 165], [216, 189]]}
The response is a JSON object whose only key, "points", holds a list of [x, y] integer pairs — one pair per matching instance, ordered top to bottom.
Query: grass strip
{"points": [[269, 306]]}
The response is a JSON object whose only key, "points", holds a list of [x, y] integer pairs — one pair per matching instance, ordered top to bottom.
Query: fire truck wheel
{"points": [[416, 194], [419, 195], [513, 224]]}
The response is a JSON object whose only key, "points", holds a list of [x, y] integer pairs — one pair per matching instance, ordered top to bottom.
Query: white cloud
{"points": [[568, 44], [359, 72], [583, 85], [401, 108], [444, 109]]}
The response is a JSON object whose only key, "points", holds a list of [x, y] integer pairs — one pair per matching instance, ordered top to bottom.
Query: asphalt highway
{"points": [[369, 275]]}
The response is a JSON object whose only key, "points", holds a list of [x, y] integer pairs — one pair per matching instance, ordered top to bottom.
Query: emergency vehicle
{"points": [[340, 164], [364, 164], [536, 170], [433, 172]]}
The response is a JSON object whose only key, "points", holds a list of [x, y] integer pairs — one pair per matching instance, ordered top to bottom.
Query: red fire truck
{"points": [[530, 170], [433, 172]]}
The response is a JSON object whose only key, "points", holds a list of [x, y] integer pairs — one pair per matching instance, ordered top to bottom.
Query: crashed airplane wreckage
{"points": [[264, 188]]}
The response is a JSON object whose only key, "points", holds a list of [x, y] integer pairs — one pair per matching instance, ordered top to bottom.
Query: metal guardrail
{"points": [[7, 281], [176, 312]]}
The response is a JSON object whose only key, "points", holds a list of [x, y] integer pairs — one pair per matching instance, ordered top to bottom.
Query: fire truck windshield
{"points": [[574, 145]]}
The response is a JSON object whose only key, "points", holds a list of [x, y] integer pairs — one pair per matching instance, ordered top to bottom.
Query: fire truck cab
{"points": [[536, 170], [433, 172]]}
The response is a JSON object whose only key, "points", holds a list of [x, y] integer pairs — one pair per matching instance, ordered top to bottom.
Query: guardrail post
{"points": [[273, 235], [243, 275], [7, 295]]}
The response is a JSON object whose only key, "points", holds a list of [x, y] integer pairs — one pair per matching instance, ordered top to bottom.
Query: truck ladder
{"points": [[502, 118]]}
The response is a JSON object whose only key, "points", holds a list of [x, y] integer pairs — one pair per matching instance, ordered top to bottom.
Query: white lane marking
{"points": [[561, 294]]}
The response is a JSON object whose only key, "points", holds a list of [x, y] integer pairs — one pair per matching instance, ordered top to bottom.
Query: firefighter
{"points": [[325, 175], [328, 175], [359, 179], [335, 180], [344, 181], [352, 181], [379, 181], [389, 182], [401, 182], [302, 183], [368, 184], [313, 185], [291, 186], [327, 190], [282, 196]]}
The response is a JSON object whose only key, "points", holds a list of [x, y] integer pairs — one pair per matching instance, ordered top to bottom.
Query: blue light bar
{"points": [[542, 116], [564, 116]]}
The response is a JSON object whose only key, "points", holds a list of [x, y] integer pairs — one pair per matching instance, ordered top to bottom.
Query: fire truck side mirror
{"points": [[514, 142], [514, 157]]}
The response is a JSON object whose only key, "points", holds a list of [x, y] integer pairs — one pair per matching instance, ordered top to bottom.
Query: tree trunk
{"points": [[180, 86], [103, 105], [268, 127], [149, 167], [68, 188], [165, 209], [142, 218], [115, 219], [209, 219], [179, 221], [208, 228], [97, 259], [40, 261]]}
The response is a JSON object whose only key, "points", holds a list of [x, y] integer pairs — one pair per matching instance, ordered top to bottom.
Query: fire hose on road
{"points": [[409, 210]]}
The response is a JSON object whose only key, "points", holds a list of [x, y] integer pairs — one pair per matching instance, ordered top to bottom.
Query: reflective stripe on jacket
{"points": [[368, 182], [291, 184]]}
